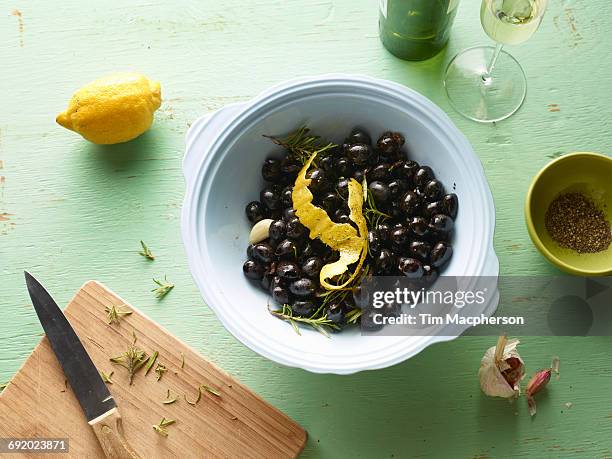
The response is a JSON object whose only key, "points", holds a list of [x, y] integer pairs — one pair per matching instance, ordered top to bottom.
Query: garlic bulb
{"points": [[502, 369]]}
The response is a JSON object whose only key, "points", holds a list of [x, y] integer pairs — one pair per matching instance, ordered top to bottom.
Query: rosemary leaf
{"points": [[146, 252], [163, 288], [116, 313], [353, 315], [182, 360], [150, 362], [160, 370], [107, 377], [3, 386], [211, 390], [169, 400], [194, 403], [161, 427]]}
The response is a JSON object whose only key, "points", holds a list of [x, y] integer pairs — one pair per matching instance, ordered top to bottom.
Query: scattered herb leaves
{"points": [[146, 252], [163, 288], [116, 313], [150, 362], [160, 369], [107, 377], [211, 390], [198, 398], [169, 400], [161, 427]]}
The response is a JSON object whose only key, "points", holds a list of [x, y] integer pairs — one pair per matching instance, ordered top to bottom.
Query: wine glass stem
{"points": [[491, 65]]}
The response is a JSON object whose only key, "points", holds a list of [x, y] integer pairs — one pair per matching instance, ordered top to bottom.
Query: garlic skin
{"points": [[260, 231], [501, 369]]}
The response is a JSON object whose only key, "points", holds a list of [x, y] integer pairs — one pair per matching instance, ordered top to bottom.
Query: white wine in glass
{"points": [[485, 83]]}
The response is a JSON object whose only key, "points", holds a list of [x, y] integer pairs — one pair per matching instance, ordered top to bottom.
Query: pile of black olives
{"points": [[412, 239]]}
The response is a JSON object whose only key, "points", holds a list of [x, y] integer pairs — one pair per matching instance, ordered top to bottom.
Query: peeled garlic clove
{"points": [[260, 231], [501, 369]]}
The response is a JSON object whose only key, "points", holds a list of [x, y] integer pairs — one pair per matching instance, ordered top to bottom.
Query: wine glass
{"points": [[485, 83]]}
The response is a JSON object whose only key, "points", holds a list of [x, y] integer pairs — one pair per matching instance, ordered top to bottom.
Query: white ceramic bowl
{"points": [[222, 164]]}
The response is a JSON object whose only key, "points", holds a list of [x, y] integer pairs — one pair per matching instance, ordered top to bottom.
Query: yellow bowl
{"points": [[588, 173]]}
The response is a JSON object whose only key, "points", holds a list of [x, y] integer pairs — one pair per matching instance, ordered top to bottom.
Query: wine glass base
{"points": [[482, 97]]}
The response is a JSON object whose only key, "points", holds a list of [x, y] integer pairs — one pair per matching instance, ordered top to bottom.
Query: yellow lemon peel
{"points": [[342, 237]]}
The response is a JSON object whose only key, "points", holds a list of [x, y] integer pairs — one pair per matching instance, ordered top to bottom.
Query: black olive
{"points": [[359, 136], [390, 142], [359, 153], [326, 163], [290, 166], [344, 167], [271, 169], [404, 170], [379, 172], [358, 175], [423, 175], [318, 180], [342, 187], [396, 188], [433, 190], [379, 191], [286, 196], [270, 198], [330, 202], [410, 203], [451, 204], [433, 208], [255, 211], [288, 213], [340, 216], [441, 223], [418, 227], [277, 230], [295, 230], [383, 231], [399, 236], [374, 243], [419, 249], [286, 250], [249, 251], [263, 252], [306, 252], [441, 254], [384, 262], [312, 266], [411, 268], [253, 269], [288, 270], [430, 274], [266, 280], [303, 287], [280, 295], [303, 308], [335, 313], [370, 320]]}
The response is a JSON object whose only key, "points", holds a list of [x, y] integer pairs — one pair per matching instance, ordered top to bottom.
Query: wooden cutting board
{"points": [[38, 403]]}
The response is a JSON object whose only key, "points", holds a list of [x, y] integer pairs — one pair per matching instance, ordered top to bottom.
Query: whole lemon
{"points": [[112, 109]]}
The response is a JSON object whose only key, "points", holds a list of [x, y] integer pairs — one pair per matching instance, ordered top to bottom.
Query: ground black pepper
{"points": [[573, 221]]}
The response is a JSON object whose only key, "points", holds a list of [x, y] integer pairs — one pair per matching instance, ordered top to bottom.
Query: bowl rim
{"points": [[533, 234], [489, 263]]}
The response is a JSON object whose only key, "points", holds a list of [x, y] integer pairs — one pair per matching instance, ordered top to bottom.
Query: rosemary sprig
{"points": [[301, 144], [373, 216], [146, 252], [163, 288], [114, 313], [320, 324], [132, 360], [150, 362], [160, 370], [107, 377], [169, 400], [161, 427]]}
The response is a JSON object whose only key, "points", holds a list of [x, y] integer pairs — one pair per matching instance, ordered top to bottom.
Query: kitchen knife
{"points": [[96, 401]]}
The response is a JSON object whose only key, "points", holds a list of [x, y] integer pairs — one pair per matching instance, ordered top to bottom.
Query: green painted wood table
{"points": [[72, 211]]}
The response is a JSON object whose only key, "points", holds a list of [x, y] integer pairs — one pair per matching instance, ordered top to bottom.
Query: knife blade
{"points": [[90, 390]]}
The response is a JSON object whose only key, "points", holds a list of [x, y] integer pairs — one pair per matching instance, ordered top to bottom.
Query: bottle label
{"points": [[383, 7]]}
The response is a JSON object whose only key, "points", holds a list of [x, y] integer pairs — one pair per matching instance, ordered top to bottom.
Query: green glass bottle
{"points": [[416, 29]]}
